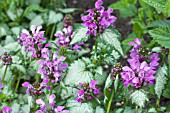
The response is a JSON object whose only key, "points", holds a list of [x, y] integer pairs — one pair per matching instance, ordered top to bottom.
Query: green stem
{"points": [[52, 33], [96, 44], [37, 77], [3, 78], [19, 78], [13, 83], [51, 89], [110, 101], [157, 105], [136, 109]]}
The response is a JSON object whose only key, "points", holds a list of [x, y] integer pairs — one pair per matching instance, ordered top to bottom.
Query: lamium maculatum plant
{"points": [[61, 66]]}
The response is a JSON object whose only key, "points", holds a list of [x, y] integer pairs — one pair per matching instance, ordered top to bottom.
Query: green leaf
{"points": [[30, 2], [157, 4], [33, 8], [126, 9], [68, 10], [54, 17], [37, 21], [159, 23], [138, 29], [3, 30], [16, 30], [80, 35], [161, 36], [111, 37], [9, 39], [12, 46], [19, 68], [77, 73], [100, 76], [161, 80], [116, 82], [108, 83], [68, 92], [2, 96], [139, 98], [15, 107], [75, 107], [25, 108], [99, 110], [128, 110]]}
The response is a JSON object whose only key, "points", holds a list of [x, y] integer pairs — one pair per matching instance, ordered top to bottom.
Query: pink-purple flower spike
{"points": [[98, 19], [140, 70]]}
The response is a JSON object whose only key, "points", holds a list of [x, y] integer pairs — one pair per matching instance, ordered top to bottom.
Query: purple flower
{"points": [[97, 20], [68, 21], [64, 37], [32, 42], [6, 59], [143, 65], [51, 69], [92, 86], [29, 87], [36, 88], [87, 91], [80, 95], [51, 101], [43, 106], [7, 109], [60, 109]]}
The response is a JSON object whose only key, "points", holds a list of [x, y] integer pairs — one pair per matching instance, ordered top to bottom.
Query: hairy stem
{"points": [[52, 32], [96, 44], [37, 77], [3, 78], [19, 78], [51, 89], [110, 101], [158, 105], [136, 109]]}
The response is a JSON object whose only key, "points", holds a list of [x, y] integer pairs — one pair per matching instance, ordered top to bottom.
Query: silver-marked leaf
{"points": [[80, 35], [111, 38], [77, 73], [161, 80], [139, 98], [75, 107]]}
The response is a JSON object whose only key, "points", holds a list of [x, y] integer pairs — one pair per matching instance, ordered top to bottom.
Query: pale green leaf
{"points": [[68, 10], [54, 17], [37, 21], [80, 35], [111, 37], [12, 46], [20, 68], [77, 73], [161, 80], [116, 82], [139, 98], [15, 107], [75, 107], [25, 108], [99, 110]]}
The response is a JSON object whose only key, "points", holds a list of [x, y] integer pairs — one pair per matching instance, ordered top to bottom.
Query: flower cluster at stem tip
{"points": [[98, 19], [65, 36], [6, 58], [143, 65], [87, 91], [43, 106]]}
